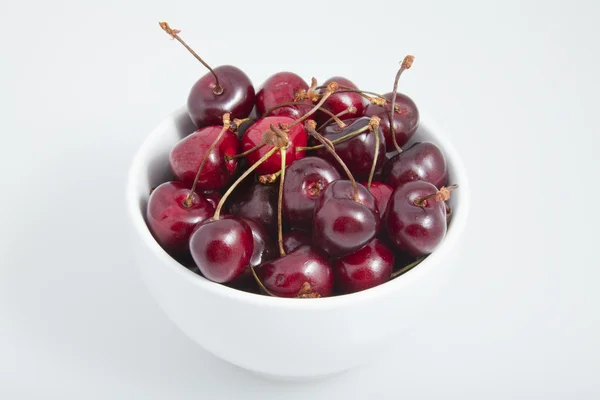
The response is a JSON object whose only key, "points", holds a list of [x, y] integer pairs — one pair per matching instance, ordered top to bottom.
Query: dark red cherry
{"points": [[278, 89], [338, 102], [206, 108], [406, 119], [254, 136], [357, 153], [187, 155], [422, 161], [304, 181], [343, 189], [382, 193], [212, 196], [257, 202], [171, 221], [342, 225], [412, 227], [294, 239], [222, 248], [264, 250], [367, 267], [285, 276]]}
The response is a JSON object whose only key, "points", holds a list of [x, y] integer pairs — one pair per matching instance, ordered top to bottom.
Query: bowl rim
{"points": [[427, 266]]}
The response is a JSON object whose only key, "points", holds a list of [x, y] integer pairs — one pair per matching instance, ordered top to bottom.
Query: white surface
{"points": [[514, 83], [291, 339]]}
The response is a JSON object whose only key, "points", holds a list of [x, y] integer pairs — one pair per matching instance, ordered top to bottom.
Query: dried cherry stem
{"points": [[174, 33], [406, 64], [331, 88], [295, 103], [336, 117], [237, 122], [226, 123], [310, 127], [348, 136], [282, 151], [245, 153], [375, 157], [269, 178], [441, 195], [217, 213], [406, 268], [256, 278]]}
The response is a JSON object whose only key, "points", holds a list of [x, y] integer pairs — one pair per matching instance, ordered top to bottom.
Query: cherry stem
{"points": [[174, 33], [406, 64], [331, 88], [295, 103], [337, 116], [226, 123], [310, 126], [344, 138], [283, 151], [244, 154], [375, 157], [269, 178], [441, 195], [217, 213], [406, 268], [267, 291]]}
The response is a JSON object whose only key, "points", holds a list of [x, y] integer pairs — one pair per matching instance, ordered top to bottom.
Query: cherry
{"points": [[280, 88], [225, 89], [339, 102], [406, 118], [253, 138], [358, 152], [187, 155], [422, 161], [304, 181], [382, 193], [212, 196], [258, 202], [171, 220], [414, 221], [341, 224], [294, 239], [222, 247], [367, 267], [303, 272]]}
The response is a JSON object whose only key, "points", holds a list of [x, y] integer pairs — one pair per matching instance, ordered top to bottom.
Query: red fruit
{"points": [[278, 89], [338, 102], [406, 119], [423, 161], [382, 193]]}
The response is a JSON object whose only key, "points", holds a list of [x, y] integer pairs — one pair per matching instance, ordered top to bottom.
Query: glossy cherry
{"points": [[278, 89], [339, 102], [406, 119], [253, 137], [358, 152], [187, 155], [422, 161], [304, 181], [382, 193], [212, 196], [257, 202], [171, 221], [342, 225], [414, 227], [294, 239], [367, 267], [286, 276]]}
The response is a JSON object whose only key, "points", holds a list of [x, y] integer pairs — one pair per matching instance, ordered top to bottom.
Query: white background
{"points": [[514, 83]]}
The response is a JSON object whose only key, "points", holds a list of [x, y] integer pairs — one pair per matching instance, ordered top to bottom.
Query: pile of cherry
{"points": [[314, 197]]}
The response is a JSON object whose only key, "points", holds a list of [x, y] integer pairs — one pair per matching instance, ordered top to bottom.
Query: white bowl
{"points": [[287, 338]]}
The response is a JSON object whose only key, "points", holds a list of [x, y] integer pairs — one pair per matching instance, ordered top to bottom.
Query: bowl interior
{"points": [[150, 168]]}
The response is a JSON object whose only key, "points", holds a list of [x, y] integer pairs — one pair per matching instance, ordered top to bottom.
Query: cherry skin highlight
{"points": [[278, 89], [238, 97], [338, 102], [406, 119], [254, 136], [187, 155], [423, 161], [304, 181], [171, 221], [416, 229], [294, 239], [222, 248], [367, 267], [285, 276]]}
